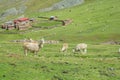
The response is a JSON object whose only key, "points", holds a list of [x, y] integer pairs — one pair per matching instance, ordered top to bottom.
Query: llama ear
{"points": [[42, 39]]}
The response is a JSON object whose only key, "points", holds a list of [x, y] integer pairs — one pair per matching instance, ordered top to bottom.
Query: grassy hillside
{"points": [[30, 6], [94, 22]]}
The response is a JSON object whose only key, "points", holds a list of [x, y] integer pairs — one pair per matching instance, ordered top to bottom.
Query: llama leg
{"points": [[63, 49], [84, 51], [34, 52]]}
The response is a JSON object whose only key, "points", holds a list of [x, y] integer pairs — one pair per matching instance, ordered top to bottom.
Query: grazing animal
{"points": [[33, 46], [64, 47], [82, 47], [119, 50]]}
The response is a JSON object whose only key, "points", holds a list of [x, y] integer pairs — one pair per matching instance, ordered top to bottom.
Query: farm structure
{"points": [[55, 18], [19, 24], [8, 25]]}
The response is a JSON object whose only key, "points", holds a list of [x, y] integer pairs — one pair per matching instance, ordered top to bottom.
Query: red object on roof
{"points": [[21, 19]]}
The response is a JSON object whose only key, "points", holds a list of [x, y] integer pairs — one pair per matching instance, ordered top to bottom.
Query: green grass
{"points": [[94, 22], [101, 63]]}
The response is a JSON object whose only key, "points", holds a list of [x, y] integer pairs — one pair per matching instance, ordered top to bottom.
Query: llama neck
{"points": [[40, 45]]}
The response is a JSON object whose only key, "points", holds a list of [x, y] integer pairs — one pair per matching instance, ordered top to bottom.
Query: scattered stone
{"points": [[112, 42], [65, 72], [4, 75]]}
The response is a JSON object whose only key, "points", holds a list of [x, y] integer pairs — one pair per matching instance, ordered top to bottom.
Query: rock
{"points": [[63, 4], [22, 9], [12, 11]]}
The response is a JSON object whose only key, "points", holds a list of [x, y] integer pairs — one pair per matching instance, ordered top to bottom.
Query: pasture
{"points": [[94, 22]]}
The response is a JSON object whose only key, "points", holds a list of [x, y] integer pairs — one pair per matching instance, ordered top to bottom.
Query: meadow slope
{"points": [[94, 22]]}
